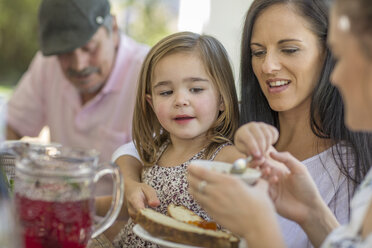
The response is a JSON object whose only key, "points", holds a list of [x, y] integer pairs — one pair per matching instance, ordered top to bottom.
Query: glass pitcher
{"points": [[54, 195], [9, 235]]}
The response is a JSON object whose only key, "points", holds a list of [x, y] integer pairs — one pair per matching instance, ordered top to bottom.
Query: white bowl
{"points": [[250, 175]]}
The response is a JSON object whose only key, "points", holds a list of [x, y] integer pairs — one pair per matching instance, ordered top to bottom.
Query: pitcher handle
{"points": [[117, 196]]}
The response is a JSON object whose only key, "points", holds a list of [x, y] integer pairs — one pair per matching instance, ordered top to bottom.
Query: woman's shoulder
{"points": [[334, 154]]}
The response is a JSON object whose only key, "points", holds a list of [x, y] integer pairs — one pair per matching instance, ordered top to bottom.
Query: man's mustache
{"points": [[83, 73]]}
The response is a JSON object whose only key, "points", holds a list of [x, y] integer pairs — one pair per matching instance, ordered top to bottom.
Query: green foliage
{"points": [[148, 21], [18, 37], [5, 90]]}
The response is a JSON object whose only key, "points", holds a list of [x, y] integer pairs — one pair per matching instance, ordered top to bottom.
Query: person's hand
{"points": [[255, 138], [294, 192], [138, 196], [297, 198], [232, 203]]}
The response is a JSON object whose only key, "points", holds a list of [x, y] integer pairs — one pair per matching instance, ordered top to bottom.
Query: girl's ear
{"points": [[149, 100], [222, 105]]}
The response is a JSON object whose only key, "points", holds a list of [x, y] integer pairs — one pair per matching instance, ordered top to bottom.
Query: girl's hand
{"points": [[255, 139], [138, 196], [245, 210]]}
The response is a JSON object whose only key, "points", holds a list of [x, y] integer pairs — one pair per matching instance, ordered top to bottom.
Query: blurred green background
{"points": [[146, 21], [18, 38]]}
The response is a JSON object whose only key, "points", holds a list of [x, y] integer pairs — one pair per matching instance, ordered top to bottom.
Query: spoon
{"points": [[240, 165]]}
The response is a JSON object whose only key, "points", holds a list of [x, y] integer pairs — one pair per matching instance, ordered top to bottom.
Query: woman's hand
{"points": [[255, 139], [294, 191], [297, 198], [244, 210]]}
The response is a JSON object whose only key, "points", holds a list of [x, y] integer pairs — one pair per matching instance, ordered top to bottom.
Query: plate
{"points": [[250, 176], [142, 233]]}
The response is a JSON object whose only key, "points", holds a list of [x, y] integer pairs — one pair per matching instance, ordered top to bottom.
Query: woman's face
{"points": [[287, 58], [352, 74]]}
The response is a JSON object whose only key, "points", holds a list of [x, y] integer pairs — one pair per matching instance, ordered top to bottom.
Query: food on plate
{"points": [[184, 214], [177, 229]]}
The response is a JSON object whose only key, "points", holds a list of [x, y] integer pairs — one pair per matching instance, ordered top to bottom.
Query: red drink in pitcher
{"points": [[54, 195], [48, 224]]}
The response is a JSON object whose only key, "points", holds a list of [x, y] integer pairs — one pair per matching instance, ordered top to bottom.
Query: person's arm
{"points": [[27, 107], [11, 134], [130, 166], [293, 191], [137, 195], [297, 198], [244, 210], [319, 223]]}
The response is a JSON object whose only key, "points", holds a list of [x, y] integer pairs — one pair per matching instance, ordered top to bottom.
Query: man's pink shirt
{"points": [[44, 97]]}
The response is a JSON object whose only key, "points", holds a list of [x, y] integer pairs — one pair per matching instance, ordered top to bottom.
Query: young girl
{"points": [[186, 109]]}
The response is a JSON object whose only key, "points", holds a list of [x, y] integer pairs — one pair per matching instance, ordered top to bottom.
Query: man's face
{"points": [[89, 66]]}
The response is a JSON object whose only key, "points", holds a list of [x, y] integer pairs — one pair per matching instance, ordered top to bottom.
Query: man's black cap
{"points": [[65, 25]]}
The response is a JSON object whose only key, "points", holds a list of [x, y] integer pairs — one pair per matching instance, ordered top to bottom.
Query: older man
{"points": [[83, 82]]}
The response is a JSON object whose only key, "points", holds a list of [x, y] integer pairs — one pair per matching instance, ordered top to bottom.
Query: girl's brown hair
{"points": [[148, 134]]}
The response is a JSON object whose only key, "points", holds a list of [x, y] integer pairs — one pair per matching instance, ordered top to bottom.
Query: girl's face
{"points": [[287, 58], [352, 74], [184, 98]]}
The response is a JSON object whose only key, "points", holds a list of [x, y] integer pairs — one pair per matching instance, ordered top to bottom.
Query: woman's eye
{"points": [[290, 50], [258, 53], [196, 90], [165, 93]]}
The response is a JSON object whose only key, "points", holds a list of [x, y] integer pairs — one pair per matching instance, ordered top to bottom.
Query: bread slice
{"points": [[183, 214], [168, 228]]}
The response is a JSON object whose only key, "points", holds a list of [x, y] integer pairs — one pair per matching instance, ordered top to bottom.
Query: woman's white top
{"points": [[333, 188], [348, 236]]}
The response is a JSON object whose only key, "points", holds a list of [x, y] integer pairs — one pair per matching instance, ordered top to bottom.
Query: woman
{"points": [[285, 83], [295, 194]]}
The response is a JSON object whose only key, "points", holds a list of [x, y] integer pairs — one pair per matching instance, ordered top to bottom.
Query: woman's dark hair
{"points": [[327, 109]]}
